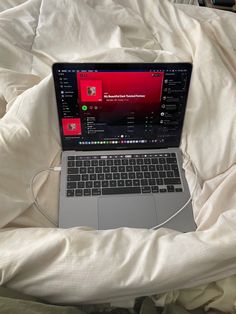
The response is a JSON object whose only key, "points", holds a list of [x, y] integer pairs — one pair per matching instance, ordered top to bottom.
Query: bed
{"points": [[85, 266]]}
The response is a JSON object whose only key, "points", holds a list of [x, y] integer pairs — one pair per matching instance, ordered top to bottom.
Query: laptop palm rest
{"points": [[126, 211]]}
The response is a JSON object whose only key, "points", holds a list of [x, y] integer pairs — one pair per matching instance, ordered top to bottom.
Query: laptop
{"points": [[120, 127]]}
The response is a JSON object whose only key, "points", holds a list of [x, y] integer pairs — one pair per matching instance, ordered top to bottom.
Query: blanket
{"points": [[81, 265]]}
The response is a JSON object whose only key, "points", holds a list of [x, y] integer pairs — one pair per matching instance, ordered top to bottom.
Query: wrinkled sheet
{"points": [[89, 266]]}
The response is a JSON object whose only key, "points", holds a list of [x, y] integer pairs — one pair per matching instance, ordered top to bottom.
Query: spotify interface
{"points": [[121, 108]]}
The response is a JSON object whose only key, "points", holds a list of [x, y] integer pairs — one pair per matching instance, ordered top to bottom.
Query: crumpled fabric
{"points": [[68, 265]]}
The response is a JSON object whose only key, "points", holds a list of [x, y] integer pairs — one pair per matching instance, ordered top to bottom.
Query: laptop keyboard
{"points": [[122, 174]]}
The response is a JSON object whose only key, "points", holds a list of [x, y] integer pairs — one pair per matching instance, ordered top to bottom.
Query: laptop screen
{"points": [[121, 106]]}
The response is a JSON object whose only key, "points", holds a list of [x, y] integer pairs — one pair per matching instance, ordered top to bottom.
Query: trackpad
{"points": [[126, 211]]}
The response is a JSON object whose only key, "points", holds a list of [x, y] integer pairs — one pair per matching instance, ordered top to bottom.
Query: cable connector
{"points": [[57, 168]]}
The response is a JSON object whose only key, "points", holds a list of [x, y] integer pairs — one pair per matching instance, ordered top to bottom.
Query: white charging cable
{"points": [[188, 201], [42, 211]]}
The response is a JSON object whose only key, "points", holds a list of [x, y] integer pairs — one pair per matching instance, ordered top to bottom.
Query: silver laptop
{"points": [[120, 126]]}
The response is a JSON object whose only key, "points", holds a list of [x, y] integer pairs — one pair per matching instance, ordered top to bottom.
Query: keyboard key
{"points": [[71, 158], [154, 160], [162, 160], [171, 160], [132, 161], [139, 161], [102, 162], [124, 162], [70, 163], [79, 163], [86, 163], [94, 163], [167, 167], [121, 168], [129, 168], [137, 168], [144, 168], [151, 168], [98, 169], [106, 169], [114, 169], [175, 169], [72, 170], [82, 170], [91, 170], [176, 173], [162, 174], [170, 174], [131, 175], [139, 175], [147, 175], [154, 175], [101, 176], [108, 176], [116, 176], [124, 176], [72, 177], [85, 177], [93, 177], [159, 181], [172, 181], [128, 182], [136, 182], [144, 182], [152, 182], [112, 183], [121, 183], [88, 184], [97, 184], [105, 184], [71, 185], [80, 185], [170, 188], [146, 189], [155, 189], [125, 190], [163, 190], [178, 190], [96, 191], [78, 192], [87, 192], [70, 193]]}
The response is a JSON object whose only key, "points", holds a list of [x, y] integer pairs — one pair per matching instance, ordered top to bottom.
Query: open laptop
{"points": [[120, 126]]}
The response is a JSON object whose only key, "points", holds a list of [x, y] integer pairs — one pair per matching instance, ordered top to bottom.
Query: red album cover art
{"points": [[91, 90], [71, 126]]}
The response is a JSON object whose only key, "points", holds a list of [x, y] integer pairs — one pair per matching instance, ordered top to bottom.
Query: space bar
{"points": [[127, 190]]}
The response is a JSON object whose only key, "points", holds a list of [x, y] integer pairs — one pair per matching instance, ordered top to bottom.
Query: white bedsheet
{"points": [[82, 265]]}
